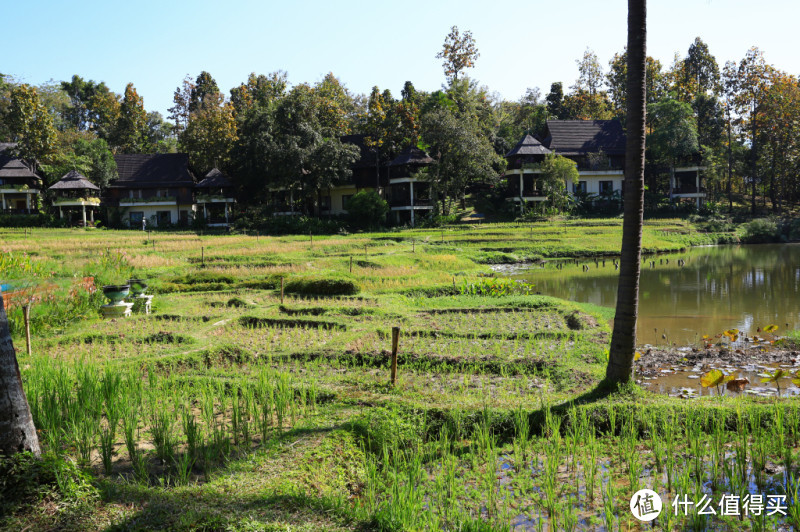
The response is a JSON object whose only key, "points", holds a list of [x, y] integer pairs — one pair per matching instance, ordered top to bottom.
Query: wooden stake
{"points": [[311, 236], [413, 246], [365, 252], [202, 256], [351, 264], [454, 283], [281, 290], [26, 313], [395, 342]]}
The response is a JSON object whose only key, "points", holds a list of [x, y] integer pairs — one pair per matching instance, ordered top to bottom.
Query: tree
{"points": [[458, 52], [701, 72], [590, 73], [617, 81], [750, 85], [204, 87], [260, 90], [182, 97], [555, 101], [104, 110], [31, 124], [377, 129], [674, 131], [130, 134], [159, 134], [210, 134], [463, 154], [557, 171], [623, 338], [17, 432]]}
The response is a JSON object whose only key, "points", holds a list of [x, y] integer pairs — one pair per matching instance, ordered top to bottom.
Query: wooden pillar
{"points": [[411, 183], [83, 207], [395, 343]]}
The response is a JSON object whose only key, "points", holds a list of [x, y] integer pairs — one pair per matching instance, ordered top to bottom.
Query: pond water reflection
{"points": [[715, 289]]}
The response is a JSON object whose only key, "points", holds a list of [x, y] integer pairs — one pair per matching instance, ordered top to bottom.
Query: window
{"points": [[579, 187], [606, 187], [346, 200], [136, 218], [163, 218]]}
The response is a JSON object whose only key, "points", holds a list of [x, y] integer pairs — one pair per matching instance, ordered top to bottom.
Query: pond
{"points": [[709, 290]]}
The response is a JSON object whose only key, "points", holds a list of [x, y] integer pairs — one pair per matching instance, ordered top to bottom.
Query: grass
{"points": [[234, 407]]}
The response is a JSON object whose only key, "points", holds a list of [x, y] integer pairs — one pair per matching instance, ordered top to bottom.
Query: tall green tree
{"points": [[459, 52], [617, 82], [204, 87], [555, 101], [31, 124], [130, 134], [210, 135], [673, 136], [463, 154], [623, 338]]}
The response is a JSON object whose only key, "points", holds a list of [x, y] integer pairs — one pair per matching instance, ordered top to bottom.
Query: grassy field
{"points": [[231, 409]]}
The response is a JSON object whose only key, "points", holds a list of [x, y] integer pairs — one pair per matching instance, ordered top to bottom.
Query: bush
{"points": [[367, 209], [261, 219], [760, 231], [322, 287], [25, 479]]}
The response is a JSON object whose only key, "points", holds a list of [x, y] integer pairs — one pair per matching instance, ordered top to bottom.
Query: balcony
{"points": [[162, 200], [406, 202], [19, 211]]}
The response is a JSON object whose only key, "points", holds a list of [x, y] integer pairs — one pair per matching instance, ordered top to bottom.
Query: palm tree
{"points": [[623, 338], [17, 433]]}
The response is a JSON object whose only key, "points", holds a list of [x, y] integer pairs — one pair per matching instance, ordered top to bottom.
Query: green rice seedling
{"points": [[236, 414], [161, 424], [130, 426], [191, 431], [83, 437], [107, 439], [521, 441], [590, 465], [183, 468], [792, 492], [609, 495]]}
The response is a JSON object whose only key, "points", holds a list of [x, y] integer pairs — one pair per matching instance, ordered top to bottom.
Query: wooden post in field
{"points": [[311, 236], [442, 236], [154, 245], [413, 246], [365, 252], [202, 256], [351, 264], [454, 284], [281, 290], [26, 314], [395, 342]]}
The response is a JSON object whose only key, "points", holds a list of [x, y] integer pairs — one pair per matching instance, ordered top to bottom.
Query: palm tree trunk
{"points": [[623, 339], [17, 433]]}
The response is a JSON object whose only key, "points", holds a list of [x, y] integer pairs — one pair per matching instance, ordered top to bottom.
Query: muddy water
{"points": [[711, 289]]}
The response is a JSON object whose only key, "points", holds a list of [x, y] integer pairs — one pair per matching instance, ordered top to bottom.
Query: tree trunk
{"points": [[730, 162], [753, 163], [623, 339], [17, 433]]}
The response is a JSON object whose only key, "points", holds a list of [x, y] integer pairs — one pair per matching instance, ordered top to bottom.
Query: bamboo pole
{"points": [[281, 290], [26, 313], [395, 342]]}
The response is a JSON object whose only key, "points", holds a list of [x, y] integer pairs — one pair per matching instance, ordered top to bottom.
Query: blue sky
{"points": [[155, 44]]}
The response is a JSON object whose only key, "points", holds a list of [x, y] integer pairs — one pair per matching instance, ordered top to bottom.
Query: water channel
{"points": [[708, 291]]}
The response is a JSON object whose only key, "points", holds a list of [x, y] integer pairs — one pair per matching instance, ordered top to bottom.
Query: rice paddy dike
{"points": [[229, 409]]}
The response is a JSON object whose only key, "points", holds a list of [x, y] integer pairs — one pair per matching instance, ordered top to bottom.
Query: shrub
{"points": [[367, 209], [760, 231], [322, 287], [25, 479]]}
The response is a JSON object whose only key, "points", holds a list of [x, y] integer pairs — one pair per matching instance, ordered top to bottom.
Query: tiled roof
{"points": [[577, 137], [528, 146], [412, 156], [12, 167], [152, 170], [214, 179], [74, 180]]}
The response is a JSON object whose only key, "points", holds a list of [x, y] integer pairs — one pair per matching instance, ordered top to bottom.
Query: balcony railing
{"points": [[688, 189], [406, 202], [19, 211]]}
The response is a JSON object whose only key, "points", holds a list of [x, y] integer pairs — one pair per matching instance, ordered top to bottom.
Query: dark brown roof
{"points": [[578, 137], [528, 146], [367, 156], [412, 157], [12, 167], [152, 170], [214, 179], [74, 180]]}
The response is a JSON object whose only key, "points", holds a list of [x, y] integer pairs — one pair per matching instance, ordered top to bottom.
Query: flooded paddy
{"points": [[683, 296]]}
